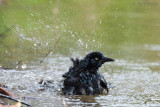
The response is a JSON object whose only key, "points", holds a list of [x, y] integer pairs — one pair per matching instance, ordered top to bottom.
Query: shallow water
{"points": [[137, 83]]}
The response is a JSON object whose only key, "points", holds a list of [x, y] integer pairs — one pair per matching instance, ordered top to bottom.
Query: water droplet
{"points": [[47, 26], [80, 40], [86, 46], [24, 66]]}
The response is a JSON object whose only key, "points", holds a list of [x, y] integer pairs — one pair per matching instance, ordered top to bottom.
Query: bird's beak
{"points": [[105, 59]]}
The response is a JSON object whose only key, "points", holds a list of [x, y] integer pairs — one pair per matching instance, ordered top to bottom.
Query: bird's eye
{"points": [[96, 59]]}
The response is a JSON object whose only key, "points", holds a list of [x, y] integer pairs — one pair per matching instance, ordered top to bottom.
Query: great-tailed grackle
{"points": [[83, 77]]}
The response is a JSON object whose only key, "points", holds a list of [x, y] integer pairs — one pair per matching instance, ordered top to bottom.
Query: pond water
{"points": [[52, 31]]}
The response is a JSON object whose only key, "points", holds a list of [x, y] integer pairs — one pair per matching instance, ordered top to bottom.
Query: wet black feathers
{"points": [[83, 78]]}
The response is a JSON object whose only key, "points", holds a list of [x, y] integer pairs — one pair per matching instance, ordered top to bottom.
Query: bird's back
{"points": [[73, 69]]}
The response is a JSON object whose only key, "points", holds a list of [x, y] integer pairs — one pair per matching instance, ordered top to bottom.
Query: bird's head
{"points": [[95, 60]]}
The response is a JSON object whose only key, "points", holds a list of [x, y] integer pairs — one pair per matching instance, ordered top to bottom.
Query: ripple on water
{"points": [[153, 47], [136, 84]]}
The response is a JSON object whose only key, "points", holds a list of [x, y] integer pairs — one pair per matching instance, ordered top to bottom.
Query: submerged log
{"points": [[3, 91], [13, 99]]}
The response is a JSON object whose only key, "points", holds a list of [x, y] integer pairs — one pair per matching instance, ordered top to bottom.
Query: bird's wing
{"points": [[73, 81], [103, 82]]}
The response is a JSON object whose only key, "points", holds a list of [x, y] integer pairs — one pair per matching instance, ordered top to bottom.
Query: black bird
{"points": [[83, 77]]}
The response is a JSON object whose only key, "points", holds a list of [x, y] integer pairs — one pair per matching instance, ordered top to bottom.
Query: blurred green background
{"points": [[119, 28]]}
